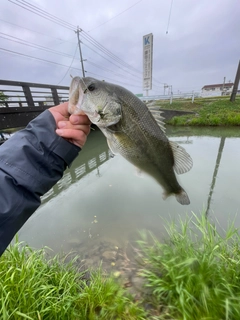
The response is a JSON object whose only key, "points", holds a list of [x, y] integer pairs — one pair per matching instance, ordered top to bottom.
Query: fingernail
{"points": [[74, 119], [62, 124], [59, 132]]}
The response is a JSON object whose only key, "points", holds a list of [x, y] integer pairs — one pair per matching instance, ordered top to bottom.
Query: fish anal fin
{"points": [[182, 160]]}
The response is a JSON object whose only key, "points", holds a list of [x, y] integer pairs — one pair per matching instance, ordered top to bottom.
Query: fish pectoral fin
{"points": [[111, 147], [182, 160]]}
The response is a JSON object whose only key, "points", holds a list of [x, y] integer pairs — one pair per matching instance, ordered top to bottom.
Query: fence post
{"points": [[28, 95], [55, 96], [171, 96], [192, 96]]}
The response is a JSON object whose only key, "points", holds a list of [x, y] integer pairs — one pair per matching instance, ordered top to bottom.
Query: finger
{"points": [[60, 112], [79, 119], [67, 125], [77, 137]]}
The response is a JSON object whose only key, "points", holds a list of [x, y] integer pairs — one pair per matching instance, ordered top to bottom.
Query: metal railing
{"points": [[26, 94], [171, 97], [20, 102]]}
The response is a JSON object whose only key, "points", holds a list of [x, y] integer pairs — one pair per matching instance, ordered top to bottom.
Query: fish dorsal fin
{"points": [[157, 116], [182, 160]]}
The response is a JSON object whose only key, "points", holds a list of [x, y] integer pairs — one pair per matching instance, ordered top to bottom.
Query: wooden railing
{"points": [[24, 101]]}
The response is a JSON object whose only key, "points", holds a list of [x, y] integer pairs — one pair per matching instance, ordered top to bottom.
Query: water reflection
{"points": [[220, 150], [91, 158], [101, 198]]}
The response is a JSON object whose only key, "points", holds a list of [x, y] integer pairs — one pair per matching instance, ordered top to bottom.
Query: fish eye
{"points": [[91, 87]]}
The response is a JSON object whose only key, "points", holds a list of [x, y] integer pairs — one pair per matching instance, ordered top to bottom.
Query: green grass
{"points": [[217, 111], [196, 274], [32, 287]]}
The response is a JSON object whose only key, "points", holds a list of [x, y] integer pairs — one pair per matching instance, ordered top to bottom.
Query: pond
{"points": [[104, 199]]}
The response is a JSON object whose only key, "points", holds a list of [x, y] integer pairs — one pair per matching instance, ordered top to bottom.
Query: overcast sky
{"points": [[195, 43]]}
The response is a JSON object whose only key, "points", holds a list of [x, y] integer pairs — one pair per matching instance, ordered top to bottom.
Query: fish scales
{"points": [[132, 131]]}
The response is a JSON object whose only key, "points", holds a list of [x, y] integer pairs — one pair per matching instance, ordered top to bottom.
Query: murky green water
{"points": [[105, 198]]}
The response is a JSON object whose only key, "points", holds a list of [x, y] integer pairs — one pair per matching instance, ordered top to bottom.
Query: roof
{"points": [[220, 85]]}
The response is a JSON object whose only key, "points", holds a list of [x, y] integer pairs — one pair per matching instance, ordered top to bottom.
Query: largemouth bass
{"points": [[132, 130]]}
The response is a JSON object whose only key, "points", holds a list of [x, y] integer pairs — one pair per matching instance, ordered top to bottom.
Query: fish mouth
{"points": [[76, 96], [94, 117], [102, 117], [102, 120]]}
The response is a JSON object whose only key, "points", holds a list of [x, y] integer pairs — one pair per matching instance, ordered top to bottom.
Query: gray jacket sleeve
{"points": [[31, 162]]}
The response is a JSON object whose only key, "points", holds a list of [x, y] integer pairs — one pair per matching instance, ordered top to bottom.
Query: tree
{"points": [[3, 97]]}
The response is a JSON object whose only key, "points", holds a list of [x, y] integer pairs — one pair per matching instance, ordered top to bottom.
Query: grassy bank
{"points": [[217, 111], [195, 274], [32, 287]]}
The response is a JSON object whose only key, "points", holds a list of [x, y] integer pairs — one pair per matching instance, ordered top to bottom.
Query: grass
{"points": [[216, 111], [196, 274], [32, 287]]}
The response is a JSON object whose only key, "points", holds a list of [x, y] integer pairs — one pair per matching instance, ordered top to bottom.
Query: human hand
{"points": [[74, 128]]}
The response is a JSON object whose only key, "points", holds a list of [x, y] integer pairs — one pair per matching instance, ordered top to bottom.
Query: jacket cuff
{"points": [[61, 147]]}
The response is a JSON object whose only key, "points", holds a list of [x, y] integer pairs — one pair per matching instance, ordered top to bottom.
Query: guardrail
{"points": [[171, 97]]}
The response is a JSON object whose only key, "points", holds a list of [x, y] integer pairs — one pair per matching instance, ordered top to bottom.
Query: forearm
{"points": [[31, 162]]}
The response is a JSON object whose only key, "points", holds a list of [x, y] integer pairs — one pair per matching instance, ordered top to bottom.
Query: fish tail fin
{"points": [[182, 197]]}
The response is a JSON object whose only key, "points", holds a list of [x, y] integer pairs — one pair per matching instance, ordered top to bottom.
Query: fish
{"points": [[133, 130]]}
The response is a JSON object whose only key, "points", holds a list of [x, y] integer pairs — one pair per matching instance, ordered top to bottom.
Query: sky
{"points": [[195, 43]]}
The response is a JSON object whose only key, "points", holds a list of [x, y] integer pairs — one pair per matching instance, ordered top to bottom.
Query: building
{"points": [[221, 89]]}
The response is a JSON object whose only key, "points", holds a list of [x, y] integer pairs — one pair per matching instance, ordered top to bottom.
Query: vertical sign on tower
{"points": [[147, 61]]}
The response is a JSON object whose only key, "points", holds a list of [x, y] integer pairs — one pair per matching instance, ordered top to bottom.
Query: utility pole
{"points": [[80, 50], [224, 79], [236, 82], [165, 87], [219, 156]]}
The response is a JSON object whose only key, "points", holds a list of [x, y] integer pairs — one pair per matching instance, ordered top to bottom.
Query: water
{"points": [[104, 198]]}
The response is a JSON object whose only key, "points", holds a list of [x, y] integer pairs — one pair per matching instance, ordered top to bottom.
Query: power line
{"points": [[42, 13], [115, 16], [169, 16], [52, 18], [44, 34], [30, 44], [33, 45], [53, 51], [107, 52], [32, 57], [109, 60], [59, 64], [69, 66], [106, 69], [115, 81], [158, 81]]}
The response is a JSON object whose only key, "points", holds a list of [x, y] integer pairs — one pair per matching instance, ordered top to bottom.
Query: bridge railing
{"points": [[26, 94], [25, 100]]}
